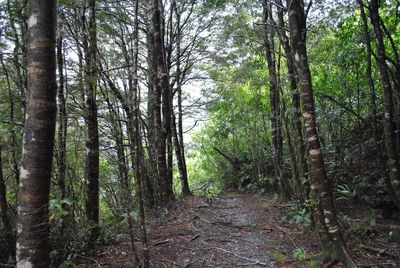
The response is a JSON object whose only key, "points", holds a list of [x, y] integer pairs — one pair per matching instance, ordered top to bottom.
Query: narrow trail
{"points": [[233, 230]]}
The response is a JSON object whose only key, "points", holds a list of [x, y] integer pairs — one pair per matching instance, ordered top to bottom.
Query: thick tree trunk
{"points": [[388, 122], [38, 140], [92, 142], [319, 182]]}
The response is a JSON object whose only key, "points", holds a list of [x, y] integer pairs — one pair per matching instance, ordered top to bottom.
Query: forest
{"points": [[199, 133]]}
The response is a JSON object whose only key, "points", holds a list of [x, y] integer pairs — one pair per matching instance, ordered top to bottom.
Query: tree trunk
{"points": [[161, 91], [274, 102], [388, 122], [62, 125], [298, 129], [178, 137], [137, 139], [92, 142], [14, 144], [37, 151], [319, 182], [8, 235]]}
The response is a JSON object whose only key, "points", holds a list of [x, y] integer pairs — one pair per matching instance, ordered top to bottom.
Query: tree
{"points": [[274, 87], [162, 107], [62, 124], [389, 126], [38, 140], [92, 142], [324, 209], [9, 245]]}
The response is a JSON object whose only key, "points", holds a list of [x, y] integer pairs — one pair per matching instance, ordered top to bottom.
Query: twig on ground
{"points": [[281, 229], [194, 237], [161, 242], [241, 257], [89, 258], [172, 262], [111, 263], [381, 264]]}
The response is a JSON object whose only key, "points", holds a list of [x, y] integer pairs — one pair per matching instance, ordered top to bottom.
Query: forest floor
{"points": [[232, 230]]}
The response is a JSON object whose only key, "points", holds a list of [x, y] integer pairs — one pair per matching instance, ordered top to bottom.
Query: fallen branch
{"points": [[194, 237], [161, 242], [380, 251], [242, 257], [381, 264]]}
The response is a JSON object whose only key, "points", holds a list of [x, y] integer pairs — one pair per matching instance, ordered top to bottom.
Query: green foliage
{"points": [[344, 192], [58, 208], [299, 215], [300, 254]]}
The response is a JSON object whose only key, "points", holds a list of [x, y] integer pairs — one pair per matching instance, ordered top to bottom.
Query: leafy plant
{"points": [[344, 192], [58, 208], [299, 215], [300, 254]]}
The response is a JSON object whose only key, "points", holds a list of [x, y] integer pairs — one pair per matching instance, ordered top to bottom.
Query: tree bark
{"points": [[274, 102], [161, 103], [62, 122], [388, 122], [298, 129], [178, 137], [137, 139], [38, 140], [92, 142], [319, 182], [8, 235]]}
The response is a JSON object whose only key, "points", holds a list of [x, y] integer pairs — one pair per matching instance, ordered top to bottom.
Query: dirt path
{"points": [[233, 230]]}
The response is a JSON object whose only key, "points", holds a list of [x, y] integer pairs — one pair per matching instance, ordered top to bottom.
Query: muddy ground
{"points": [[232, 230]]}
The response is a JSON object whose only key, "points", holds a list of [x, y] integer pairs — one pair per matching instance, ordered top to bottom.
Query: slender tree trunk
{"points": [[19, 49], [368, 71], [161, 91], [274, 102], [373, 106], [388, 122], [62, 123], [298, 129], [137, 139], [38, 140], [178, 140], [92, 142], [14, 146], [153, 170], [325, 212], [8, 234]]}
